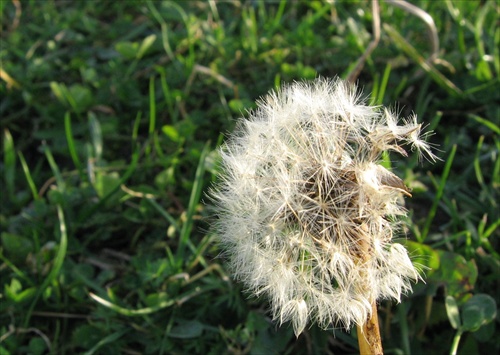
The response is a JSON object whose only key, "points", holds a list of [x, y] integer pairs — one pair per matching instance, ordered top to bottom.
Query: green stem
{"points": [[405, 338], [456, 340]]}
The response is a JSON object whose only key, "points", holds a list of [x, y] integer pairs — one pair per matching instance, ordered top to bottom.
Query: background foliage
{"points": [[111, 112]]}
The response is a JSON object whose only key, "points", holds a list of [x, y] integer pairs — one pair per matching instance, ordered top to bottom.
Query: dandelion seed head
{"points": [[306, 213]]}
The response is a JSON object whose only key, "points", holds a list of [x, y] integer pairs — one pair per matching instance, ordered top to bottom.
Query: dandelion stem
{"points": [[369, 339]]}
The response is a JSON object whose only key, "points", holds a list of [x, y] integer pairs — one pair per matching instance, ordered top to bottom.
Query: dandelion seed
{"points": [[306, 213]]}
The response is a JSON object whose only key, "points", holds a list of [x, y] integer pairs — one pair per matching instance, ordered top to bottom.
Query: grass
{"points": [[111, 113]]}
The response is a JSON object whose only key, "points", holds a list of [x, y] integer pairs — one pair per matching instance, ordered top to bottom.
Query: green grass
{"points": [[111, 114]]}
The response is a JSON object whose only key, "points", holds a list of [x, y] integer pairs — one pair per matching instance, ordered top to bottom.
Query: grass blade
{"points": [[279, 14], [164, 31], [145, 45], [428, 68], [379, 91], [167, 95], [152, 114], [486, 123], [135, 129], [96, 135], [71, 144], [9, 160], [477, 165], [130, 170], [29, 179], [61, 185], [439, 195], [150, 198], [193, 201], [163, 212], [491, 229], [57, 265], [15, 269], [131, 312], [403, 321], [106, 340]]}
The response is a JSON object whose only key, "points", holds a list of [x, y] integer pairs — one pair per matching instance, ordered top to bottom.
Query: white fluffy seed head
{"points": [[306, 213]]}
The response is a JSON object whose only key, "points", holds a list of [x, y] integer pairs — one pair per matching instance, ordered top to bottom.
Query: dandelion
{"points": [[306, 213]]}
